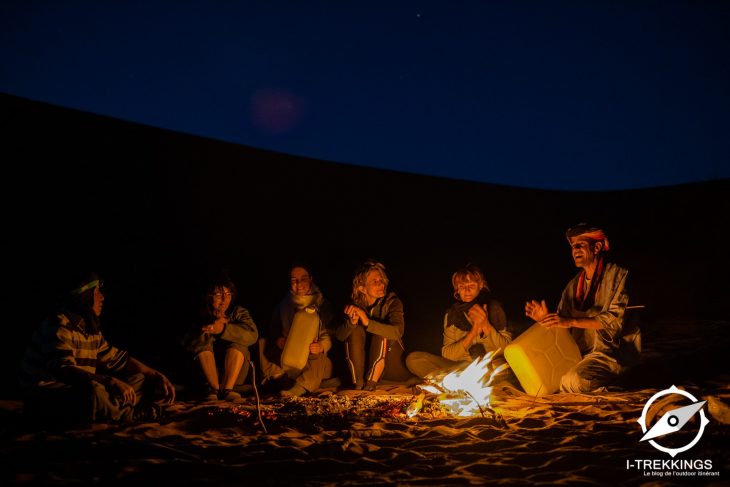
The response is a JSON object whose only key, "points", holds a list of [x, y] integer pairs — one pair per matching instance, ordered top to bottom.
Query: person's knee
{"points": [[357, 335], [355, 344], [237, 351], [204, 354], [415, 359], [328, 367], [592, 374], [579, 380], [573, 382], [103, 403]]}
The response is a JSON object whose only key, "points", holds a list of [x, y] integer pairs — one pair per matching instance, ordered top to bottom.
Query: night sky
{"points": [[560, 95]]}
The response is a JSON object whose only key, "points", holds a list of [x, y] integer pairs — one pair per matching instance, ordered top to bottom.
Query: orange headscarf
{"points": [[587, 231], [584, 300]]}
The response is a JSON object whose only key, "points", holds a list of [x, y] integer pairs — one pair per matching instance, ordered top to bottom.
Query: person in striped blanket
{"points": [[70, 373]]}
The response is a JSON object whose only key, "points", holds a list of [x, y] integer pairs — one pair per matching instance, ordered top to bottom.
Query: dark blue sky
{"points": [[559, 94]]}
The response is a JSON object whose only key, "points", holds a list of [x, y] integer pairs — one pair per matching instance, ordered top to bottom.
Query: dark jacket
{"points": [[386, 320]]}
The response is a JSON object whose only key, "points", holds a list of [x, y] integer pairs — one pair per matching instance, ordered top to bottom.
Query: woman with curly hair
{"points": [[374, 322]]}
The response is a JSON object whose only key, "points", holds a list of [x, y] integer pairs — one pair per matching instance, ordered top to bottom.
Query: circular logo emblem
{"points": [[673, 421]]}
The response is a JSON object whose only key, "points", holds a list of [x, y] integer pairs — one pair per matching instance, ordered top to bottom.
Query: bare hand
{"points": [[536, 311], [356, 315], [480, 320], [552, 320], [216, 328], [280, 342], [315, 348], [168, 389], [124, 390]]}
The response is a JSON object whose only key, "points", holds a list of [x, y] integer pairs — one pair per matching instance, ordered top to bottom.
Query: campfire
{"points": [[464, 392]]}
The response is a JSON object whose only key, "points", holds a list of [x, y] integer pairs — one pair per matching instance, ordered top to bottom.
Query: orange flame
{"points": [[467, 391]]}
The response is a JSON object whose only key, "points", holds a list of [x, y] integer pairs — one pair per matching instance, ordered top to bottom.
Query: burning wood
{"points": [[464, 392], [415, 407], [332, 411]]}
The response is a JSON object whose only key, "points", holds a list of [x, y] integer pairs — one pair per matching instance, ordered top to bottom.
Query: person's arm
{"points": [[615, 298], [536, 310], [611, 317], [553, 320], [564, 320], [609, 320], [392, 325], [240, 328], [345, 329], [498, 336], [196, 340], [323, 342], [456, 342], [60, 347], [135, 366]]}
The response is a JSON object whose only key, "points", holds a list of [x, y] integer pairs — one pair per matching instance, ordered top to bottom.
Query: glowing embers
{"points": [[464, 392]]}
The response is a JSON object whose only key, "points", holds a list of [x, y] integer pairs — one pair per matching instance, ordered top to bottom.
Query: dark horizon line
{"points": [[55, 105]]}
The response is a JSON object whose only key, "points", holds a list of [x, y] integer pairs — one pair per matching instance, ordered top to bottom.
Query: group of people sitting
{"points": [[293, 360], [69, 363]]}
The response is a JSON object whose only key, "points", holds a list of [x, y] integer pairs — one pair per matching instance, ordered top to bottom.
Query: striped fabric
{"points": [[62, 343]]}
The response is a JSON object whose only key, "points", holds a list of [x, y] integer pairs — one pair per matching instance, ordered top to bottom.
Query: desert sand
{"points": [[149, 206], [347, 438]]}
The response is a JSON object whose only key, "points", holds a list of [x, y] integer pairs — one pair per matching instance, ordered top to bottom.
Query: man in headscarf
{"points": [[593, 306], [71, 373]]}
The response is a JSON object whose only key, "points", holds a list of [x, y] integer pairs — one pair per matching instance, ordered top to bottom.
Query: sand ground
{"points": [[348, 438]]}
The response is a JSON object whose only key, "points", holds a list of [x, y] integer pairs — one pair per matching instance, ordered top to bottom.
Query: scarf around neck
{"points": [[584, 298], [293, 303], [457, 312]]}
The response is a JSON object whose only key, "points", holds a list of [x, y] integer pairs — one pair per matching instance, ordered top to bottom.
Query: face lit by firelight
{"points": [[584, 251], [300, 281], [375, 286], [468, 289], [220, 299], [98, 301]]}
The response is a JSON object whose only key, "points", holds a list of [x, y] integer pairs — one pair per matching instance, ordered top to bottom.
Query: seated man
{"points": [[303, 294], [592, 306], [474, 325], [71, 373]]}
